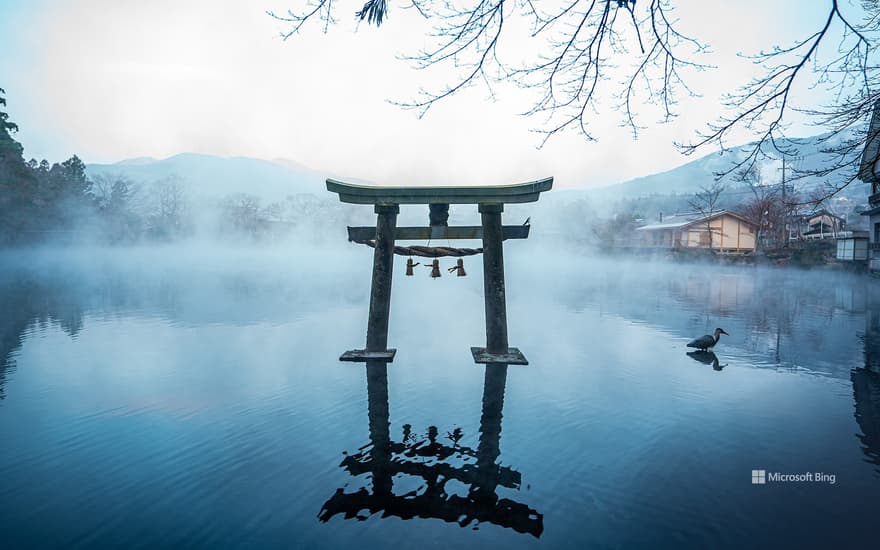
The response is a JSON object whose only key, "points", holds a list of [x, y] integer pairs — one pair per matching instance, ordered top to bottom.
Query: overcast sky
{"points": [[114, 79]]}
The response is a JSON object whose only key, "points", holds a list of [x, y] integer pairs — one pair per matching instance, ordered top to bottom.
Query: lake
{"points": [[191, 396]]}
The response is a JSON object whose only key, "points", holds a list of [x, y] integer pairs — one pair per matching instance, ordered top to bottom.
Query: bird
{"points": [[707, 341]]}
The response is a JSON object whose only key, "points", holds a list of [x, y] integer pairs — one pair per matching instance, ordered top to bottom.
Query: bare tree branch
{"points": [[577, 43], [582, 46], [764, 105], [706, 201]]}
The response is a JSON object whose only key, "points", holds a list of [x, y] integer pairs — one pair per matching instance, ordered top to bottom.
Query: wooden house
{"points": [[723, 231]]}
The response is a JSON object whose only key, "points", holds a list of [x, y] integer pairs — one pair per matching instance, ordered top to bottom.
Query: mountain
{"points": [[206, 176], [211, 177], [688, 178]]}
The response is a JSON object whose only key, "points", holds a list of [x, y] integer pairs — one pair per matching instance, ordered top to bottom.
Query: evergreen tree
{"points": [[17, 183], [37, 199]]}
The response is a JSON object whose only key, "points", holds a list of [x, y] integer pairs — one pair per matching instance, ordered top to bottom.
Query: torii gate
{"points": [[490, 201]]}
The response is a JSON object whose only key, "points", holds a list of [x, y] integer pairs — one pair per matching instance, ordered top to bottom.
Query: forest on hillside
{"points": [[43, 202]]}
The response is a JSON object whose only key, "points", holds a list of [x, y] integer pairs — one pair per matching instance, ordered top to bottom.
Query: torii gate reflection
{"points": [[384, 458]]}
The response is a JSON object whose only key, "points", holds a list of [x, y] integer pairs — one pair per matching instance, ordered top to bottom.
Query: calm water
{"points": [[164, 398]]}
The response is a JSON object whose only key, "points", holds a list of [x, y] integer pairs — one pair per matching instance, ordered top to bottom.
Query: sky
{"points": [[115, 79]]}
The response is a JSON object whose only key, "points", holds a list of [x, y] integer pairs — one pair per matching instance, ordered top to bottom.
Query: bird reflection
{"points": [[707, 358], [436, 463]]}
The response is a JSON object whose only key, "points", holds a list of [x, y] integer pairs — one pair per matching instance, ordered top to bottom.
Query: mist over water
{"points": [[190, 395]]}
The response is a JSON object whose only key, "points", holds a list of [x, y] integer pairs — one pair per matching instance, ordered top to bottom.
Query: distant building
{"points": [[804, 225], [823, 225], [729, 233]]}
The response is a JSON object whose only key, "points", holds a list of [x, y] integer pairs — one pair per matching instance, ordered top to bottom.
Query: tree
{"points": [[580, 42], [6, 127], [17, 182], [61, 195], [113, 196], [39, 200], [706, 202], [167, 208], [764, 208], [242, 213], [619, 230]]}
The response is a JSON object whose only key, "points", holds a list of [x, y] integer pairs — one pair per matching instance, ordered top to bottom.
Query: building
{"points": [[869, 172], [803, 225], [823, 225], [730, 233], [852, 246]]}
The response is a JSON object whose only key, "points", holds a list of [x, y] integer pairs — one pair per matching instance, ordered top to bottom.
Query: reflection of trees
{"points": [[720, 295], [26, 302], [767, 306], [791, 315], [782, 318], [866, 388], [866, 392], [431, 460]]}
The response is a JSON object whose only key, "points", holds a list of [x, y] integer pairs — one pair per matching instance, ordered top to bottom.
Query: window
{"points": [[877, 232]]}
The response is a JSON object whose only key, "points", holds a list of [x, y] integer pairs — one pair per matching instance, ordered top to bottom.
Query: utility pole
{"points": [[785, 212]]}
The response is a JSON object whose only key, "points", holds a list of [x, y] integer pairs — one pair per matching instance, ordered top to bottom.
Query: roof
{"points": [[495, 194], [818, 213], [810, 214], [673, 221], [677, 221]]}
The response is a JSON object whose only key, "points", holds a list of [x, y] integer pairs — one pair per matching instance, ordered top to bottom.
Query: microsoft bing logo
{"points": [[759, 477]]}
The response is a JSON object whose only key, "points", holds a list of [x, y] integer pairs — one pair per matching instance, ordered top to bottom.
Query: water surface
{"points": [[174, 397]]}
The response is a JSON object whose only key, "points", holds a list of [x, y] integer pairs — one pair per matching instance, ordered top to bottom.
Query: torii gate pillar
{"points": [[383, 269], [493, 281]]}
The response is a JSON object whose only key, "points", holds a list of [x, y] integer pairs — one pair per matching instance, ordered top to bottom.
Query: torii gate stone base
{"points": [[490, 201]]}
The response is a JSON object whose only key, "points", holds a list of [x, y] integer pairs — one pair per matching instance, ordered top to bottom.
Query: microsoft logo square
{"points": [[759, 477]]}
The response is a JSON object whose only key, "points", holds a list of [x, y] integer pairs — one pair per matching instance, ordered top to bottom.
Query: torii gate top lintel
{"points": [[492, 194]]}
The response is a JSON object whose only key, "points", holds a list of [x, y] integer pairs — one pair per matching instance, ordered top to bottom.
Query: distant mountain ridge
{"points": [[213, 177], [689, 177]]}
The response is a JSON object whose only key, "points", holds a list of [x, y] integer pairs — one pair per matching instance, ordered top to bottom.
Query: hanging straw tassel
{"points": [[409, 266], [458, 268], [435, 269]]}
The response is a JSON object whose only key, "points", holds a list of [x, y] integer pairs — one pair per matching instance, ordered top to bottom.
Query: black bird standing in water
{"points": [[707, 341]]}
